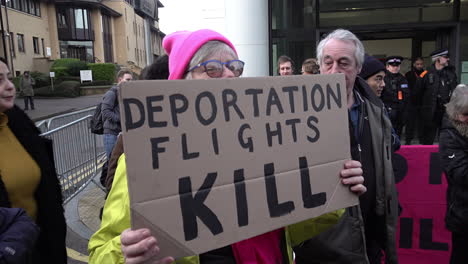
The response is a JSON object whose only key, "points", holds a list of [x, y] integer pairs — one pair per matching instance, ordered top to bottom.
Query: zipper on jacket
{"points": [[361, 124]]}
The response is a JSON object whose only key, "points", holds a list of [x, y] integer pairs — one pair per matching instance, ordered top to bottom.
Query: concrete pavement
{"points": [[46, 107], [82, 215]]}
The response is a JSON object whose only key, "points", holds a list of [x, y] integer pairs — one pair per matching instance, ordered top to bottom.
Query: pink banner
{"points": [[422, 236]]}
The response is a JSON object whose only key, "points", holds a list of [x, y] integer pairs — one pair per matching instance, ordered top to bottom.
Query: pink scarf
{"points": [[262, 249]]}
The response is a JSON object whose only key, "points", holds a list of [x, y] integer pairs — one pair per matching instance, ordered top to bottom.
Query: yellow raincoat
{"points": [[104, 245]]}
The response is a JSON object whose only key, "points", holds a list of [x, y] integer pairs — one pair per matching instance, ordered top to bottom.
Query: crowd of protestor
{"points": [[415, 101], [382, 103]]}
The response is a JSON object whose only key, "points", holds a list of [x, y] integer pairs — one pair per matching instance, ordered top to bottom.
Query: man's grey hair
{"points": [[343, 35], [209, 49], [458, 102]]}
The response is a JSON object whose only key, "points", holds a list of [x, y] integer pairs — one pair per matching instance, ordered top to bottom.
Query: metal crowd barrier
{"points": [[61, 120], [78, 153]]}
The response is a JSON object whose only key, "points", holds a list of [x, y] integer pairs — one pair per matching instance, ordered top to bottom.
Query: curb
{"points": [[72, 215]]}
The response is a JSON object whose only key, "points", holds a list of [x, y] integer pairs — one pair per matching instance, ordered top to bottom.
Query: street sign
{"points": [[52, 74], [86, 75]]}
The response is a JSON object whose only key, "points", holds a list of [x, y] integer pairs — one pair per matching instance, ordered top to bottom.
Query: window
{"points": [[12, 3], [24, 6], [32, 7], [38, 8], [61, 18], [81, 18], [85, 18], [74, 23], [79, 23], [20, 38], [12, 45], [36, 45], [43, 47], [82, 50]]}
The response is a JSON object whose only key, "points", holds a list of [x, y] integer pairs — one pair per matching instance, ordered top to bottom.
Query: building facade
{"points": [[408, 28], [37, 32]]}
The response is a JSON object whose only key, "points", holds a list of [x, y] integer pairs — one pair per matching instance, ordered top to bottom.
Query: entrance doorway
{"points": [[409, 42]]}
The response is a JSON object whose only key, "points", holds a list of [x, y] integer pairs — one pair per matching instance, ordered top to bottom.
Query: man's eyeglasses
{"points": [[215, 68]]}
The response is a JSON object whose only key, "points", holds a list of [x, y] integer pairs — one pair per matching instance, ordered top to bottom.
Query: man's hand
{"points": [[352, 175]]}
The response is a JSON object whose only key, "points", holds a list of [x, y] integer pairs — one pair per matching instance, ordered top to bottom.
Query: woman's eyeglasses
{"points": [[215, 68]]}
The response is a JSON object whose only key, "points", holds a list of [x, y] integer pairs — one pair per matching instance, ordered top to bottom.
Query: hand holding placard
{"points": [[138, 246]]}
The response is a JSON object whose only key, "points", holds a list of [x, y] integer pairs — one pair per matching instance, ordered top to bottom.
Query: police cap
{"points": [[439, 52], [394, 60]]}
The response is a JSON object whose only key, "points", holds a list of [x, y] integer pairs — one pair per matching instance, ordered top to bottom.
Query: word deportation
{"points": [[254, 103]]}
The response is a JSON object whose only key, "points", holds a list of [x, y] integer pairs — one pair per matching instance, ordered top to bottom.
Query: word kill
{"points": [[192, 204]]}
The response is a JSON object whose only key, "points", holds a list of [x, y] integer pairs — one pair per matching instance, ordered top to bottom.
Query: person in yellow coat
{"points": [[201, 54]]}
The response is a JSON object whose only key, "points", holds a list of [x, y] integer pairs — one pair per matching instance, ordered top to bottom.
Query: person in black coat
{"points": [[437, 84], [396, 93], [414, 112], [453, 148], [39, 192], [18, 235]]}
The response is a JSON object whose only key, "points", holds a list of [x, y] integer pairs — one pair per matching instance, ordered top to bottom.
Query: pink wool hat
{"points": [[182, 45]]}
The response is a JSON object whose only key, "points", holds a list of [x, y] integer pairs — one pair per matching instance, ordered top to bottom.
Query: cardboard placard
{"points": [[213, 162]]}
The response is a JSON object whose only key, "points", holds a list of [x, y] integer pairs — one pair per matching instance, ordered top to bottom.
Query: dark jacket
{"points": [[414, 78], [436, 89], [396, 93], [111, 112], [453, 149], [18, 235], [344, 243], [50, 247]]}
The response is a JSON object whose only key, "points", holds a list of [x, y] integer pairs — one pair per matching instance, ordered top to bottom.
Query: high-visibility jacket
{"points": [[104, 245]]}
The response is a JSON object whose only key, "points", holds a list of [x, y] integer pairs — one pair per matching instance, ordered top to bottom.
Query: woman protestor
{"points": [[201, 54], [453, 148], [28, 175]]}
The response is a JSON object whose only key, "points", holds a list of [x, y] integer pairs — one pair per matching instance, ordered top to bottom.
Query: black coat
{"points": [[414, 83], [436, 90], [396, 93], [453, 148], [18, 235], [50, 247]]}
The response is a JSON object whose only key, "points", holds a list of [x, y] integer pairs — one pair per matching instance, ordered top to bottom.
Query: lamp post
{"points": [[3, 33], [12, 65]]}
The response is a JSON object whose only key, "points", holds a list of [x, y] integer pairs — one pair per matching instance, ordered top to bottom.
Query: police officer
{"points": [[438, 82], [396, 93]]}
